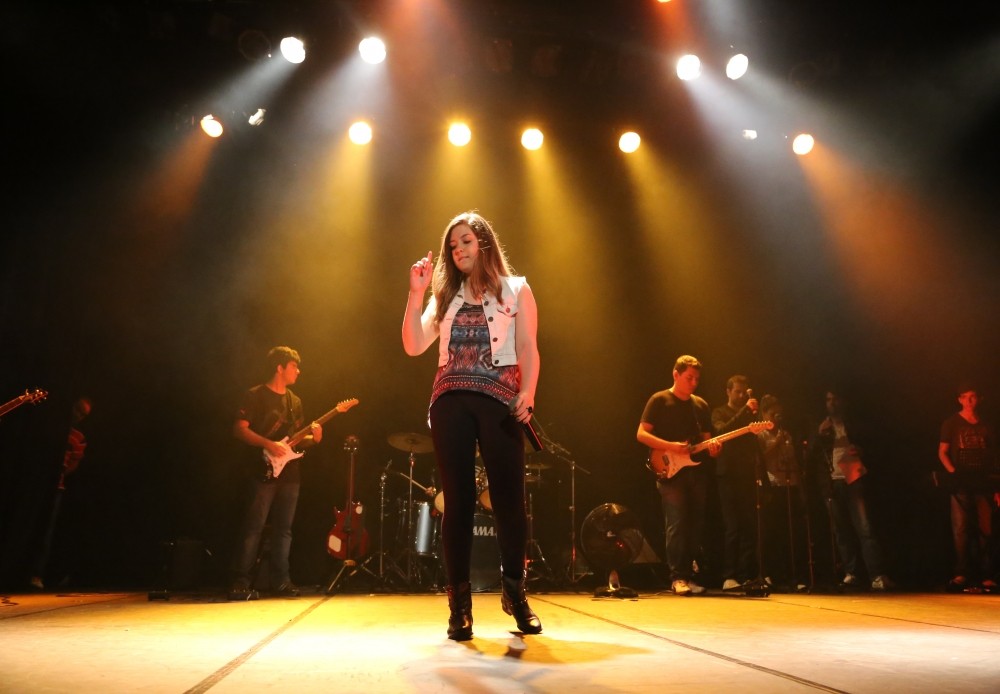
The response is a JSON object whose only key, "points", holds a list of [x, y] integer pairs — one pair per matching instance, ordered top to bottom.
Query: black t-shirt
{"points": [[273, 416], [674, 419], [972, 449]]}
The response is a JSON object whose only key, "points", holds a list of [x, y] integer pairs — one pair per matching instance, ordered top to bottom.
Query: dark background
{"points": [[151, 269]]}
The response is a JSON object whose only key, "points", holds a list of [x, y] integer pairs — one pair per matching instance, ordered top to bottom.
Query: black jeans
{"points": [[459, 420]]}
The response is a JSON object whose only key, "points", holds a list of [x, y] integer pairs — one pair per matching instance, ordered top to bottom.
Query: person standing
{"points": [[486, 320], [268, 413], [671, 422], [968, 452], [736, 473], [845, 485]]}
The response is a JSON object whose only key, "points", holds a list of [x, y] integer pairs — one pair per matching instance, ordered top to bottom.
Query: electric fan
{"points": [[611, 537]]}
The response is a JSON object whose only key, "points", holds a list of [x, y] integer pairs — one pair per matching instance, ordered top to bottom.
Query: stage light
{"points": [[293, 50], [372, 50], [737, 66], [688, 67], [257, 117], [211, 126], [360, 133], [459, 134], [749, 134], [532, 139], [629, 142], [803, 144]]}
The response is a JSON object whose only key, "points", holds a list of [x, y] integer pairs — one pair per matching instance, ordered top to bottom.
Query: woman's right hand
{"points": [[421, 272]]}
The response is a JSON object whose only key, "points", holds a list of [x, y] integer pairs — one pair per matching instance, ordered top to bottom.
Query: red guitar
{"points": [[666, 464], [348, 539]]}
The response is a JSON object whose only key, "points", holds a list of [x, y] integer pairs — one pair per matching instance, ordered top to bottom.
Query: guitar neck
{"points": [[297, 437], [721, 438]]}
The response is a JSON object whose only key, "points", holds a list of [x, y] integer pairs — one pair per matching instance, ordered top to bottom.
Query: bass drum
{"points": [[484, 571]]}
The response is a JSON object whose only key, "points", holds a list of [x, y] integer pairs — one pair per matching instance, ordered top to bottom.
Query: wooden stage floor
{"points": [[125, 642]]}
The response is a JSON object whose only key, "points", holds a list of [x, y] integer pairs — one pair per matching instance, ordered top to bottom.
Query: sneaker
{"points": [[850, 580], [36, 583], [883, 583], [731, 584], [957, 584], [989, 586], [681, 587], [695, 588], [241, 590], [288, 590]]}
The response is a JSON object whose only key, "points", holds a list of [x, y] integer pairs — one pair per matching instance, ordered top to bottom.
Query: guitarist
{"points": [[269, 412], [673, 420], [736, 473]]}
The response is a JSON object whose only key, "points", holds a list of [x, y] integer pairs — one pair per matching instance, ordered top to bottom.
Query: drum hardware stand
{"points": [[350, 445], [560, 452], [534, 555], [384, 558], [412, 574]]}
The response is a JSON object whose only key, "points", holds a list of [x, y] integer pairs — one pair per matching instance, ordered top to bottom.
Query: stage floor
{"points": [[191, 642]]}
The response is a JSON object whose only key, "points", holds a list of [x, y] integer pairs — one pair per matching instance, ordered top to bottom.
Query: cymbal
{"points": [[412, 443], [536, 466]]}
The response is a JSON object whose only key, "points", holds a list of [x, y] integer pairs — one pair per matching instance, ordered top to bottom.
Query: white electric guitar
{"points": [[275, 464], [666, 464]]}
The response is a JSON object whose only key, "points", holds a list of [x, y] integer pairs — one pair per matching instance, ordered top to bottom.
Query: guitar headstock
{"points": [[35, 396], [344, 405], [757, 427]]}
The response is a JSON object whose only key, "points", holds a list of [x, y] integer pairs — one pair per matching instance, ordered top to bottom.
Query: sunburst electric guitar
{"points": [[33, 396], [275, 464], [666, 464]]}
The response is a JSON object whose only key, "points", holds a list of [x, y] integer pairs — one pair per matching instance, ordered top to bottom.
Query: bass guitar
{"points": [[33, 396], [275, 464], [666, 464]]}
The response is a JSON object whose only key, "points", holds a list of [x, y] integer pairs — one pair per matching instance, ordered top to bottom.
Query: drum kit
{"points": [[418, 560]]}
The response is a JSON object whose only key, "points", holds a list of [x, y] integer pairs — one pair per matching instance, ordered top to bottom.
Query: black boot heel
{"points": [[514, 603], [460, 604]]}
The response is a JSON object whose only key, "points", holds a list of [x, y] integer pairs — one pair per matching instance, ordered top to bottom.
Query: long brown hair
{"points": [[491, 264]]}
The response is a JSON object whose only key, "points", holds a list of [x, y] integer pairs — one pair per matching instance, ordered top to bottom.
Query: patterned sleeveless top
{"points": [[470, 361]]}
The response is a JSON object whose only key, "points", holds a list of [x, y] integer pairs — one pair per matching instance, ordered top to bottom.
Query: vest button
{"points": [[486, 303], [490, 319], [496, 339], [496, 361]]}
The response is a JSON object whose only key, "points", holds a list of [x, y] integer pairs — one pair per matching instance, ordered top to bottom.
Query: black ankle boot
{"points": [[514, 603], [460, 604]]}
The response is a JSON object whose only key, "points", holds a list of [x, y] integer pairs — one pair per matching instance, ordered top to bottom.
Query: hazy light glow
{"points": [[293, 50], [372, 50], [737, 66], [688, 67], [258, 117], [211, 126], [360, 133], [459, 134], [749, 134], [532, 139], [629, 142], [803, 144]]}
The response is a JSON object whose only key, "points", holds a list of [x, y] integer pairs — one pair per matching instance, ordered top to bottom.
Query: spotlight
{"points": [[293, 50], [372, 50], [737, 66], [688, 67], [257, 118], [211, 126], [360, 133], [459, 134], [749, 134], [532, 139], [628, 142], [803, 144]]}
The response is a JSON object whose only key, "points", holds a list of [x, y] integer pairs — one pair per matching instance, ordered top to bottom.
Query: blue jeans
{"points": [[683, 499], [277, 500], [852, 527], [971, 528]]}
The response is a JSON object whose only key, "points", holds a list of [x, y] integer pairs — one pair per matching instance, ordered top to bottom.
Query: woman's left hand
{"points": [[522, 406]]}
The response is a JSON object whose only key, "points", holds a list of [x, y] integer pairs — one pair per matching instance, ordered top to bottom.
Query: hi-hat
{"points": [[412, 443], [536, 466]]}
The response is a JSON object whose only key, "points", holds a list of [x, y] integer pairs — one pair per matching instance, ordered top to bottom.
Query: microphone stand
{"points": [[564, 455]]}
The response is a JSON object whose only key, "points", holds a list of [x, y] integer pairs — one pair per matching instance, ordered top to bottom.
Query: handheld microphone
{"points": [[529, 432]]}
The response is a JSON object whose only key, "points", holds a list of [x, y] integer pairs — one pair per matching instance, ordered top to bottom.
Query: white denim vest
{"points": [[499, 320]]}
